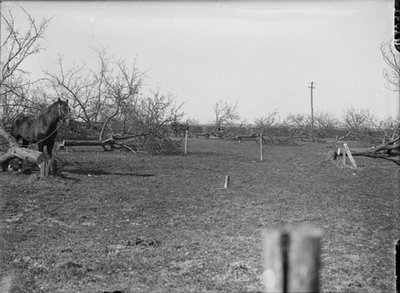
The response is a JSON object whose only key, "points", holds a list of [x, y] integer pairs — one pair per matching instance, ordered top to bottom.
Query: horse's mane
{"points": [[50, 107]]}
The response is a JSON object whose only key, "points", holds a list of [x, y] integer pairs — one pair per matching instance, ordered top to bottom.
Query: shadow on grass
{"points": [[102, 172]]}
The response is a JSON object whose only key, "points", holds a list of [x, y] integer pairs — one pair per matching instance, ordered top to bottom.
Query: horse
{"points": [[43, 129]]}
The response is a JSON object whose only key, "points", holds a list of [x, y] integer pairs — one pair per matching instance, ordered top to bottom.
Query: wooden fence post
{"points": [[186, 143], [261, 148], [347, 150], [344, 156], [48, 167], [44, 169], [227, 180], [292, 259]]}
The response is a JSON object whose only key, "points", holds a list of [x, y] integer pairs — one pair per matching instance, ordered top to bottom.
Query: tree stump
{"points": [[47, 168]]}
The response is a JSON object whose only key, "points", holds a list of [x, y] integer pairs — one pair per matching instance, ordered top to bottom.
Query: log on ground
{"points": [[24, 154]]}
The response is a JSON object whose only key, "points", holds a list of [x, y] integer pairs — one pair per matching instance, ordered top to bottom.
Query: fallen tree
{"points": [[254, 136], [109, 144], [389, 150], [14, 151]]}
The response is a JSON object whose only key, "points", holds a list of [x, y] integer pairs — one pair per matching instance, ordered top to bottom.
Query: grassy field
{"points": [[118, 221]]}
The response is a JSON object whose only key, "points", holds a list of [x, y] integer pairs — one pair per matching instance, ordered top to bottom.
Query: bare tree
{"points": [[18, 45], [391, 73], [122, 84], [79, 85], [99, 95], [225, 113], [152, 115], [356, 122], [268, 123], [325, 123], [298, 124], [389, 128], [383, 130]]}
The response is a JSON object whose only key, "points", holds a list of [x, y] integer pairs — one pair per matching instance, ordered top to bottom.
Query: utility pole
{"points": [[312, 87]]}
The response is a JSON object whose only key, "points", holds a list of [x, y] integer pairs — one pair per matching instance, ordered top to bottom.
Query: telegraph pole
{"points": [[312, 87]]}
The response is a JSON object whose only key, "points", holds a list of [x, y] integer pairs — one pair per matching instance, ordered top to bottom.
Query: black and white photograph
{"points": [[199, 146]]}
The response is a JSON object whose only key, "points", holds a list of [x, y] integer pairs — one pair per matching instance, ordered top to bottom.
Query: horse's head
{"points": [[64, 111]]}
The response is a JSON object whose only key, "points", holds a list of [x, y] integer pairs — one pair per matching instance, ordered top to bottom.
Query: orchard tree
{"points": [[20, 40], [392, 72], [122, 84], [80, 86], [98, 95], [111, 96], [225, 113], [153, 115], [356, 122], [268, 123], [325, 123], [298, 124], [389, 128]]}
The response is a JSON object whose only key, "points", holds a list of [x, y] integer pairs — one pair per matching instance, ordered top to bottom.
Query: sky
{"points": [[261, 54]]}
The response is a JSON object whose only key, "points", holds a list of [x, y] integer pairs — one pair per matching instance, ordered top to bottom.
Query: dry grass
{"points": [[135, 223]]}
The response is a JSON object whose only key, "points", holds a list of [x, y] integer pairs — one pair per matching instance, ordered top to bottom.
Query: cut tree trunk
{"points": [[104, 143], [14, 151], [28, 154]]}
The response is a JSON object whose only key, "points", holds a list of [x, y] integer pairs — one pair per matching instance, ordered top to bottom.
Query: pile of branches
{"points": [[154, 141], [159, 145]]}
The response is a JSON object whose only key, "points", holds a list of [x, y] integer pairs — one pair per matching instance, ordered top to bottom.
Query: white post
{"points": [[186, 143], [261, 147], [344, 156], [352, 161], [227, 179]]}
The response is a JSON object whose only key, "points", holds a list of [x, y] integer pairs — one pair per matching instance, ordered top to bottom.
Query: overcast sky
{"points": [[262, 54]]}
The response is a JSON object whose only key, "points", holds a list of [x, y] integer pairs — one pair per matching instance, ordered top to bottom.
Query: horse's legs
{"points": [[50, 146], [40, 147]]}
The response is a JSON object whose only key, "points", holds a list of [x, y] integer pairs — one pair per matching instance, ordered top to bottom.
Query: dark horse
{"points": [[43, 129]]}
